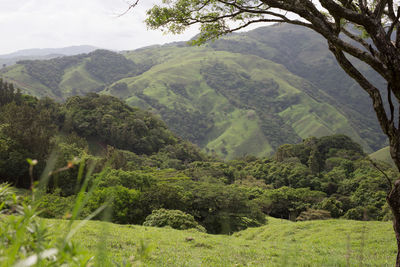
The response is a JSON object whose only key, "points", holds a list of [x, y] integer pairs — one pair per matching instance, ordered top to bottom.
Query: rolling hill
{"points": [[244, 94], [279, 243]]}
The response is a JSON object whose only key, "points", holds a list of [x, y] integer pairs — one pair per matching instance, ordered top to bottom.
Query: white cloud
{"points": [[58, 23]]}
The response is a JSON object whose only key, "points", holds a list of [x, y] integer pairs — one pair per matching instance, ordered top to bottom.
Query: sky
{"points": [[29, 24]]}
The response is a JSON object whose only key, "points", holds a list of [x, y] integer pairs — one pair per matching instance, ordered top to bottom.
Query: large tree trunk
{"points": [[387, 124], [393, 198], [394, 201]]}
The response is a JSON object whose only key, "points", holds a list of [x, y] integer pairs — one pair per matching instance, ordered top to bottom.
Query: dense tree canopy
{"points": [[317, 179]]}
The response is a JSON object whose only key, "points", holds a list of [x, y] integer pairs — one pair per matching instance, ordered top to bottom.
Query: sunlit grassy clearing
{"points": [[279, 243]]}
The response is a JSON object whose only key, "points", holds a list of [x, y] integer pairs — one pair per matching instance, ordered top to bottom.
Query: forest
{"points": [[147, 174]]}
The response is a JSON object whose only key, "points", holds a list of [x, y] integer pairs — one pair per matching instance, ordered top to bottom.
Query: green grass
{"points": [[20, 78], [77, 80], [240, 136], [383, 155], [279, 243]]}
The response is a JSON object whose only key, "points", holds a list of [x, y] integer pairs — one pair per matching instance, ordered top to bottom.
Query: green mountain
{"points": [[244, 94]]}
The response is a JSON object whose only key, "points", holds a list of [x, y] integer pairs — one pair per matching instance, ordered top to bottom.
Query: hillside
{"points": [[43, 54], [244, 94], [383, 155], [279, 243]]}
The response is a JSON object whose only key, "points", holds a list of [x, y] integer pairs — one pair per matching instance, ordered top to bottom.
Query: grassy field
{"points": [[383, 155], [279, 243]]}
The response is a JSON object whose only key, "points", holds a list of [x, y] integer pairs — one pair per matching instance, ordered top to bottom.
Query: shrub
{"points": [[8, 200], [123, 203], [288, 203], [332, 205], [55, 206], [222, 209], [312, 214], [355, 214], [174, 218]]}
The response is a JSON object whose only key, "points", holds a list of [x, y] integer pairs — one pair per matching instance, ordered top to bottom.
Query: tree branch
{"points": [[130, 6], [379, 9], [350, 15], [359, 40], [389, 89], [373, 92], [384, 173]]}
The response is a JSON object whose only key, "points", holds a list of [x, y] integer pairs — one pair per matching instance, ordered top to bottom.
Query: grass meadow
{"points": [[279, 243]]}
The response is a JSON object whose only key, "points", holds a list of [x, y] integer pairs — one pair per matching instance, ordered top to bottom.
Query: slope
{"points": [[304, 53], [229, 97], [241, 97], [383, 155], [279, 243]]}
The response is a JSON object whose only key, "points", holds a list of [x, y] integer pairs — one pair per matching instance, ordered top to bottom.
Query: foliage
{"points": [[336, 22], [108, 66], [50, 72], [8, 93], [110, 121], [25, 132], [160, 171], [129, 179], [66, 181], [123, 203], [288, 203], [53, 205], [222, 209], [312, 214], [173, 218], [25, 241]]}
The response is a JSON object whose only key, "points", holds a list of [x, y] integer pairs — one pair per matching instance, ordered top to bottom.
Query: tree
{"points": [[343, 23]]}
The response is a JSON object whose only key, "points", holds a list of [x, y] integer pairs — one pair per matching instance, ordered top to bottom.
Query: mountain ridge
{"points": [[242, 94]]}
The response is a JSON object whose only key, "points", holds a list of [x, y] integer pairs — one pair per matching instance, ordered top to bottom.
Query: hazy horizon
{"points": [[57, 24]]}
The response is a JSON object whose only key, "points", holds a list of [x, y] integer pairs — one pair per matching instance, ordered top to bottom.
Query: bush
{"points": [[8, 199], [288, 203], [123, 204], [332, 205], [55, 206], [222, 209], [312, 214], [355, 214], [174, 218]]}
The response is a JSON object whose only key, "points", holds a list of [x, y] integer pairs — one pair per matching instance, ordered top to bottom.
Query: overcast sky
{"points": [[59, 23]]}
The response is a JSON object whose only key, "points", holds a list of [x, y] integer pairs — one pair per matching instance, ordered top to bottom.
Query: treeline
{"points": [[8, 93], [148, 175]]}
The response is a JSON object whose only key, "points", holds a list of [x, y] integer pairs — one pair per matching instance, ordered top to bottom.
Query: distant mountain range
{"points": [[44, 53], [245, 93]]}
